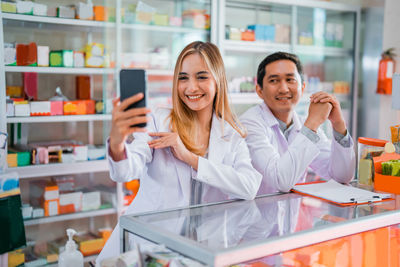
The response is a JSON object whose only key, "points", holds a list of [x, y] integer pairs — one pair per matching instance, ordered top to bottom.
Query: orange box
{"points": [[99, 13], [248, 36], [79, 107], [386, 183], [51, 207], [69, 208]]}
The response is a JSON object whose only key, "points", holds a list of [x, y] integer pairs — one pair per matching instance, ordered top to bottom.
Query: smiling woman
{"points": [[193, 153]]}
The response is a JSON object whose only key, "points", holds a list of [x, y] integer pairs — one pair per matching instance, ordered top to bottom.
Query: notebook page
{"points": [[339, 193]]}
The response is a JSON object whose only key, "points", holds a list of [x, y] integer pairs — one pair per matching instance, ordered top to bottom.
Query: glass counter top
{"points": [[232, 232]]}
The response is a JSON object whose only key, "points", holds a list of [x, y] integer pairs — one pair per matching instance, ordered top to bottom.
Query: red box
{"points": [[83, 87]]}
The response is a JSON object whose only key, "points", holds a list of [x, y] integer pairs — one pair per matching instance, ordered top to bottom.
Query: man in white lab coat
{"points": [[282, 145]]}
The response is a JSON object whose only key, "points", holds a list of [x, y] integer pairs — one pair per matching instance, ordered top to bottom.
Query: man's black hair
{"points": [[275, 57]]}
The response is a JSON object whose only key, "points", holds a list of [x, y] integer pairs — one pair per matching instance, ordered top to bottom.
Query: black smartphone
{"points": [[132, 82]]}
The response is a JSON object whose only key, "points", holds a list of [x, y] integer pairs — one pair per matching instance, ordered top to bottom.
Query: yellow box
{"points": [[8, 7], [12, 160], [16, 258]]}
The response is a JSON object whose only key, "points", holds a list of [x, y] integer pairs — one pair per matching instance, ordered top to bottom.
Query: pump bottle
{"points": [[71, 256]]}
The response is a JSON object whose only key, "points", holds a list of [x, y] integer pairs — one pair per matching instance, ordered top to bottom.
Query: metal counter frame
{"points": [[251, 250]]}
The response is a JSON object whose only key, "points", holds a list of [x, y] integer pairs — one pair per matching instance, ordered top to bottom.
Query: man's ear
{"points": [[303, 87], [259, 91]]}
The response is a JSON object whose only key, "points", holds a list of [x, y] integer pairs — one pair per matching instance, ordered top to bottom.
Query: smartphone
{"points": [[132, 82]]}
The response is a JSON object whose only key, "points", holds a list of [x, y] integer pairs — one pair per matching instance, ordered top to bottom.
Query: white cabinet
{"points": [[324, 36], [131, 41]]}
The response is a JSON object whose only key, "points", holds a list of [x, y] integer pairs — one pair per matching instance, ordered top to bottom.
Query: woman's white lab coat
{"points": [[165, 181]]}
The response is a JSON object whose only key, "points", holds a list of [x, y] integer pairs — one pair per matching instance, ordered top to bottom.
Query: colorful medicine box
{"points": [[8, 7], [25, 7], [39, 9], [84, 11], [66, 12], [99, 13], [143, 17], [160, 19], [175, 21], [248, 35], [26, 54], [10, 56], [43, 56], [62, 58], [79, 59], [83, 87], [40, 108], [56, 108], [22, 109], [12, 160]]}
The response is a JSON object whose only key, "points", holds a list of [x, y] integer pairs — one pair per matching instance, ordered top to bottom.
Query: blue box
{"points": [[258, 31], [269, 33]]}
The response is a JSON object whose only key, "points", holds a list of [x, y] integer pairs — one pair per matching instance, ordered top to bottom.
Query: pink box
{"points": [[56, 108]]}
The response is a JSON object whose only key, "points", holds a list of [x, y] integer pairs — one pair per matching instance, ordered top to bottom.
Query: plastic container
{"points": [[367, 149], [71, 257]]}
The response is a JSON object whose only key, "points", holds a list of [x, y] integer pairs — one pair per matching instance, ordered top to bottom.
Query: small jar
{"points": [[367, 149]]}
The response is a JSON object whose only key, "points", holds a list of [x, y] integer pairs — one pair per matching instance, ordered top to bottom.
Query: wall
{"points": [[391, 38]]}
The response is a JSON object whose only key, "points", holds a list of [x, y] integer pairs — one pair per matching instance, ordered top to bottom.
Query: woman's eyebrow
{"points": [[202, 72], [182, 73]]}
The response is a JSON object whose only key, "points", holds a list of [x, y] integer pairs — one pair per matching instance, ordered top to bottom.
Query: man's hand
{"points": [[317, 114], [335, 116]]}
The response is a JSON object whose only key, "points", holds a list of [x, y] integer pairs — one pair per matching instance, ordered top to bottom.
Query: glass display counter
{"points": [[233, 232]]}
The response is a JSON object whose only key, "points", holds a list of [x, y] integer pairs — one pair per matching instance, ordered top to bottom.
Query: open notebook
{"points": [[338, 193]]}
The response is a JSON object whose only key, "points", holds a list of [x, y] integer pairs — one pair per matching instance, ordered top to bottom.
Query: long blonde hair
{"points": [[181, 116]]}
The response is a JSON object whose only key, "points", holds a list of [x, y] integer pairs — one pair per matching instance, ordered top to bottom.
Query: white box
{"points": [[25, 7], [39, 9], [84, 11], [66, 12], [10, 56], [43, 56], [79, 59], [40, 108], [10, 109], [22, 110], [81, 153], [72, 198], [91, 201], [26, 211], [37, 213]]}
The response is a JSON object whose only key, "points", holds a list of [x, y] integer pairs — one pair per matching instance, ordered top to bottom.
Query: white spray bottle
{"points": [[71, 256]]}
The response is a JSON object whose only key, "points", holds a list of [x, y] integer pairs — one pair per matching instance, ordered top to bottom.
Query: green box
{"points": [[160, 19], [61, 58], [56, 59], [23, 158]]}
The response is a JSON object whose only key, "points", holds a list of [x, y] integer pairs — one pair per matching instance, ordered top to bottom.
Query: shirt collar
{"points": [[271, 120]]}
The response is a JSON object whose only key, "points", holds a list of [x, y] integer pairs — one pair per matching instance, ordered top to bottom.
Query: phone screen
{"points": [[132, 82]]}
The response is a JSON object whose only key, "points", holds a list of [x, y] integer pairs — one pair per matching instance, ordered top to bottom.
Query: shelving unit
{"points": [[114, 35], [244, 56], [60, 70], [65, 118], [56, 169], [70, 216]]}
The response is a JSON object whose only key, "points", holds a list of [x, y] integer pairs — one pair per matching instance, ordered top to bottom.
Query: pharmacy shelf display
{"points": [[164, 35], [324, 35]]}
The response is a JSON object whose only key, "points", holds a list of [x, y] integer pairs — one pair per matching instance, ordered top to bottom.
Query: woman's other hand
{"points": [[172, 140]]}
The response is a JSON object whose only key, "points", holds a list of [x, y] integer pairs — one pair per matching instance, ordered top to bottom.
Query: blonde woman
{"points": [[193, 153]]}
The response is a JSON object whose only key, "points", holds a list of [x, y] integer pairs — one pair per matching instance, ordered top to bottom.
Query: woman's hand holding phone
{"points": [[121, 124], [178, 149]]}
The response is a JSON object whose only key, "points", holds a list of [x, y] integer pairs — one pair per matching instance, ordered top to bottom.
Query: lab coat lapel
{"points": [[273, 123], [218, 143]]}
